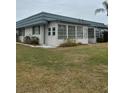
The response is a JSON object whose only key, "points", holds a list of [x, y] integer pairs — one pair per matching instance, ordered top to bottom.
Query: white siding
{"points": [[28, 32], [21, 38], [53, 40], [84, 40]]}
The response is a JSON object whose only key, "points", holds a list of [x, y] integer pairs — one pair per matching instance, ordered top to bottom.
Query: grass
{"points": [[81, 69]]}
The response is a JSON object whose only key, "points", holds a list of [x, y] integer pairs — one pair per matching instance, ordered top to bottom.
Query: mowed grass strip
{"points": [[81, 69]]}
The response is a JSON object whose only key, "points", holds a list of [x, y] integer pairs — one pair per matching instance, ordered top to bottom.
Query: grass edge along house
{"points": [[52, 29]]}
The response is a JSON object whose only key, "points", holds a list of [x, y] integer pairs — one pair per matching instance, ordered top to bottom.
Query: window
{"points": [[54, 28], [36, 30], [49, 31], [54, 31], [22, 32], [62, 32], [71, 32], [79, 32], [85, 32], [90, 32], [98, 33], [101, 34]]}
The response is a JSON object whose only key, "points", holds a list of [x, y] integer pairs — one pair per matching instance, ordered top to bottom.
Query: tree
{"points": [[105, 9]]}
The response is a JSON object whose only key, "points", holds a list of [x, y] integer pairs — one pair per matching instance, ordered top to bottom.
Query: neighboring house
{"points": [[52, 29]]}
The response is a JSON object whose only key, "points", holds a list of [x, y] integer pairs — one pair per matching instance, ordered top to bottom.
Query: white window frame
{"points": [[36, 31], [53, 31], [22, 32], [80, 32], [63, 33], [72, 35]]}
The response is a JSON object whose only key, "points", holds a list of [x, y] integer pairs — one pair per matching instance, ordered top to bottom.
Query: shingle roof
{"points": [[43, 18]]}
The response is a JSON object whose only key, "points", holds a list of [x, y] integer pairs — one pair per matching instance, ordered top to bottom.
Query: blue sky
{"points": [[83, 9]]}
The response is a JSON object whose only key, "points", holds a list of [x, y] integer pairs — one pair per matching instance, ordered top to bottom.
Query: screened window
{"points": [[54, 29], [36, 30], [49, 31], [22, 32], [62, 32], [71, 32], [79, 32], [90, 32], [97, 33], [101, 34]]}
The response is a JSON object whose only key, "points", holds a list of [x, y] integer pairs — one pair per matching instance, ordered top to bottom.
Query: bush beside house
{"points": [[17, 38], [104, 38], [27, 40], [31, 40], [35, 40], [69, 43]]}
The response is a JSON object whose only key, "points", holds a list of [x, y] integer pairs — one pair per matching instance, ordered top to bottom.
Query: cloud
{"points": [[74, 8]]}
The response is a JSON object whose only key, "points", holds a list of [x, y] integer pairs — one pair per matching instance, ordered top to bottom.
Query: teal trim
{"points": [[43, 18]]}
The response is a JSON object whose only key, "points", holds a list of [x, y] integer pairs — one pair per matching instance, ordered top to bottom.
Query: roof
{"points": [[44, 18], [96, 24]]}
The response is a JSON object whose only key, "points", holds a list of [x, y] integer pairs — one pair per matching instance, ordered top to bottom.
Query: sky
{"points": [[82, 9]]}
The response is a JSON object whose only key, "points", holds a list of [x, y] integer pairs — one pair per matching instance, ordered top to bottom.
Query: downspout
{"points": [[44, 35]]}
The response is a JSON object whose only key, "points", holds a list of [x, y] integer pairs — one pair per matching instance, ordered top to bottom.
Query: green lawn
{"points": [[81, 69]]}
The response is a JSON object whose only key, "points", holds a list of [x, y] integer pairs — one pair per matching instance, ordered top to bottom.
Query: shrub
{"points": [[105, 36], [17, 38], [104, 39], [27, 40], [31, 40], [35, 40], [100, 40], [69, 43], [79, 43]]}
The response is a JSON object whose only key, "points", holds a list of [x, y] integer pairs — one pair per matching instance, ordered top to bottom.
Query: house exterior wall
{"points": [[28, 32], [21, 38], [53, 40], [84, 40]]}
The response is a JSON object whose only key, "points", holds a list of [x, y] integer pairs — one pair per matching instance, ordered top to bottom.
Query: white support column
{"points": [[67, 31], [85, 32], [94, 32], [76, 33], [95, 35]]}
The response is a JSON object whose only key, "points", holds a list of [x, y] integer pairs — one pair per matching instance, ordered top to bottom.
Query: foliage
{"points": [[105, 9], [105, 36], [17, 38], [104, 39], [27, 40], [31, 40], [35, 40], [100, 40], [69, 43], [79, 43]]}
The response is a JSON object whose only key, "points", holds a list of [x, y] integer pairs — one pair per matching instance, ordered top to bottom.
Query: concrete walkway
{"points": [[36, 46]]}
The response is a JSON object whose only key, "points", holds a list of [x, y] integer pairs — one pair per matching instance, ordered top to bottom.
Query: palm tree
{"points": [[105, 9]]}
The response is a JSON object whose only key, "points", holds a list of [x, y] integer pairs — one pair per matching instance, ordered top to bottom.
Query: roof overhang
{"points": [[44, 18], [24, 24]]}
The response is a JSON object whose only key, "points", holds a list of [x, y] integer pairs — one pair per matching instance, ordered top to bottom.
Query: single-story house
{"points": [[52, 29]]}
